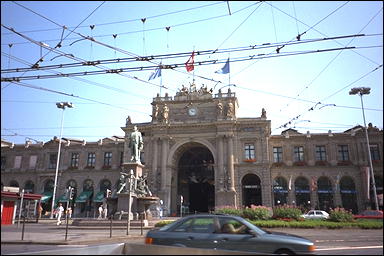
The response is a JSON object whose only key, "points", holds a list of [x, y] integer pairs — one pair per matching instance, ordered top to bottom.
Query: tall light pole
{"points": [[361, 91], [61, 105]]}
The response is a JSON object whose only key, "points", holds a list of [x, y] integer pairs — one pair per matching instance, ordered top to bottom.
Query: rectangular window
{"points": [[249, 150], [298, 153], [320, 153], [343, 153], [277, 154], [375, 154], [121, 158], [107, 159], [75, 160], [91, 160], [32, 161], [52, 161], [3, 162], [17, 162]]}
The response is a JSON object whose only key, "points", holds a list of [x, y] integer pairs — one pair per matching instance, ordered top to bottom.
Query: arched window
{"points": [[14, 183], [105, 184], [48, 186], [251, 186], [29, 187], [280, 190], [302, 192], [325, 193], [348, 194]]}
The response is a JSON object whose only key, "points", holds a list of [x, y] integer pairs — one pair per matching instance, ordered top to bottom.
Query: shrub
{"points": [[228, 210], [286, 211], [257, 213], [340, 215], [163, 223]]}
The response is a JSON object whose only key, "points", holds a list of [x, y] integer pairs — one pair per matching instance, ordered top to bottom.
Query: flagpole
{"points": [[229, 73], [193, 76], [161, 77]]}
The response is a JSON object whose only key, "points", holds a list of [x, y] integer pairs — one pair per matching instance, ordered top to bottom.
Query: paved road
{"points": [[47, 236]]}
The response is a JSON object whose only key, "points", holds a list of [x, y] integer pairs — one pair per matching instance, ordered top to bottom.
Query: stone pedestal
{"points": [[135, 166], [226, 198], [143, 204]]}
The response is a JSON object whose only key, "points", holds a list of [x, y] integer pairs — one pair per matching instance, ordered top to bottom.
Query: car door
{"points": [[198, 232], [241, 241]]}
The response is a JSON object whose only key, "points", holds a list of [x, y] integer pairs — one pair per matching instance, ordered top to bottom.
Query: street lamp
{"points": [[361, 91], [61, 105]]}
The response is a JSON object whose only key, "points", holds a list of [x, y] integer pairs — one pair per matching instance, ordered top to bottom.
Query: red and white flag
{"points": [[189, 64]]}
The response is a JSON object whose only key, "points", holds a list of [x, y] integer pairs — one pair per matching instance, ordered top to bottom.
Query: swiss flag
{"points": [[189, 64]]}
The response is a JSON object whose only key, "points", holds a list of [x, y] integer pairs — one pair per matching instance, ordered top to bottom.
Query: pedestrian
{"points": [[40, 210], [59, 211], [105, 211], [69, 212], [100, 212]]}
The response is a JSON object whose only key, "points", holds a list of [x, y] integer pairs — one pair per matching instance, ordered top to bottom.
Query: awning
{"points": [[46, 196], [83, 197], [63, 198], [99, 198]]}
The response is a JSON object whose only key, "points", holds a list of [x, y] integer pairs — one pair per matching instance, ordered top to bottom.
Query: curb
{"points": [[76, 242]]}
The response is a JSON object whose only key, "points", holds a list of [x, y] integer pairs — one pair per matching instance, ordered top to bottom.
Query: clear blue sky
{"points": [[286, 86]]}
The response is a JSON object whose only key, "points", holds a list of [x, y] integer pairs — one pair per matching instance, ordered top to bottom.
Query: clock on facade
{"points": [[192, 111]]}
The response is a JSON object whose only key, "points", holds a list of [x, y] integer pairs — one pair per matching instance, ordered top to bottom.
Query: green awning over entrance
{"points": [[46, 196], [84, 196], [99, 197], [63, 198]]}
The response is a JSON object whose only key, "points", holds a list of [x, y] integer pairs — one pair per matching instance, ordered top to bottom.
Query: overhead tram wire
{"points": [[123, 21], [159, 28], [323, 33], [338, 54], [177, 55], [76, 58], [171, 66], [81, 79], [71, 95], [320, 102]]}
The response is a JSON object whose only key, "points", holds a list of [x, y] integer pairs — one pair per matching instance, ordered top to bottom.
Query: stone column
{"points": [[164, 154], [220, 164], [155, 169], [231, 171]]}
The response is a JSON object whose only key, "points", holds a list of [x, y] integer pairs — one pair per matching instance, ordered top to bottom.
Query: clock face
{"points": [[192, 111]]}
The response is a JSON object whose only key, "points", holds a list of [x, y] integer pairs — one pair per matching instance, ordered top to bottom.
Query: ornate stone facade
{"points": [[196, 147]]}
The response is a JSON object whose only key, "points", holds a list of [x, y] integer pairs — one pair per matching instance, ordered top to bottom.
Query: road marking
{"points": [[350, 248]]}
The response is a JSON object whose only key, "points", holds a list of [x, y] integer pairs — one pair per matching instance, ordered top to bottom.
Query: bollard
{"points": [[66, 226], [110, 226], [141, 226], [22, 231]]}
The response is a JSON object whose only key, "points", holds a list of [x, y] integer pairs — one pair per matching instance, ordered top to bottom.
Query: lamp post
{"points": [[361, 91], [61, 105]]}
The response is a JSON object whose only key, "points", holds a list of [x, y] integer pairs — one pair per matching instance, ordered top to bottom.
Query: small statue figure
{"points": [[219, 109], [230, 110], [155, 113], [165, 113], [263, 113], [128, 121], [135, 144], [126, 182], [142, 187]]}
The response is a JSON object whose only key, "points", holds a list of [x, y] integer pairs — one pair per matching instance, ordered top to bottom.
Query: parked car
{"points": [[369, 214], [316, 215], [227, 232]]}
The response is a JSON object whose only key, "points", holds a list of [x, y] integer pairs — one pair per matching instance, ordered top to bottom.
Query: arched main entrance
{"points": [[196, 179]]}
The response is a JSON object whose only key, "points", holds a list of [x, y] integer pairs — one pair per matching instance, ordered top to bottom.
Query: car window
{"points": [[311, 213], [319, 213], [202, 225], [232, 226], [183, 227]]}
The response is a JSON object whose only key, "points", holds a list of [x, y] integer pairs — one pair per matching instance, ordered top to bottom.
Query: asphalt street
{"points": [[48, 236]]}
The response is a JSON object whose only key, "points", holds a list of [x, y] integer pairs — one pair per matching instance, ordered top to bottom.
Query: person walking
{"points": [[59, 211], [100, 212]]}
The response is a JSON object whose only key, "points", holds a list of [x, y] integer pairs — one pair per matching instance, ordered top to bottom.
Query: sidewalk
{"points": [[47, 232]]}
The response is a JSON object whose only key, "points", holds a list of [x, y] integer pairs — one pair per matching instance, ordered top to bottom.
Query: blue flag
{"points": [[225, 69], [156, 73]]}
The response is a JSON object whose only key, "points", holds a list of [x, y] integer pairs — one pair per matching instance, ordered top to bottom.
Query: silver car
{"points": [[316, 215], [227, 232]]}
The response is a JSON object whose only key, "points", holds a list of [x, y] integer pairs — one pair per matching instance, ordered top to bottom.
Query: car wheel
{"points": [[284, 252]]}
